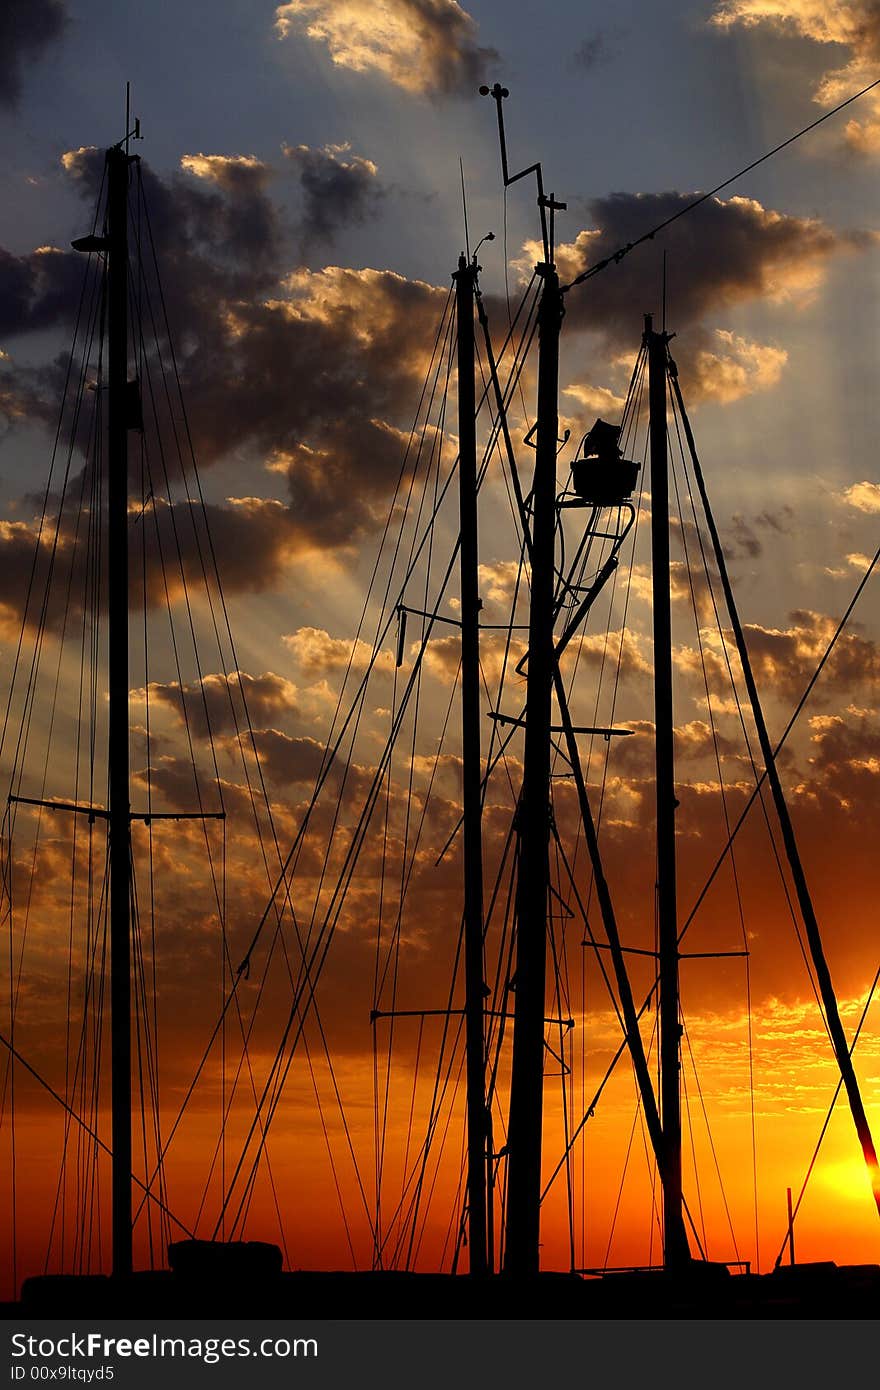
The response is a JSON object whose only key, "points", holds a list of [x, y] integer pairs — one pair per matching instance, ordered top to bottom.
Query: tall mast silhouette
{"points": [[114, 244], [477, 1129]]}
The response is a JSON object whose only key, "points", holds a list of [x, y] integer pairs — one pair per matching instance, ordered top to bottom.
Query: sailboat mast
{"points": [[118, 681], [477, 1145], [522, 1234], [675, 1250]]}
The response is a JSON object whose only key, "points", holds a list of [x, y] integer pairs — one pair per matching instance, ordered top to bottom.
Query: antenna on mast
{"points": [[498, 93], [132, 132], [467, 244]]}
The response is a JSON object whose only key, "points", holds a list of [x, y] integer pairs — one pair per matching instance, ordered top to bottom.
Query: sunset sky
{"points": [[301, 168]]}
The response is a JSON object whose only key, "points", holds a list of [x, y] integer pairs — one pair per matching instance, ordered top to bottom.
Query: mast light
{"points": [[602, 476]]}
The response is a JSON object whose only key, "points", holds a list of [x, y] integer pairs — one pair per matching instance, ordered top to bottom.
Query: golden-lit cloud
{"points": [[849, 24], [424, 46], [74, 161], [227, 171], [368, 300], [734, 367], [596, 398], [864, 496], [498, 580], [621, 648], [318, 654], [443, 655], [784, 660], [844, 757]]}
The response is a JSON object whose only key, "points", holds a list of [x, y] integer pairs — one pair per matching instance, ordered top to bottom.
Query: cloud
{"points": [[854, 25], [27, 28], [424, 46], [594, 51], [231, 172], [339, 188], [220, 237], [721, 255], [38, 290], [735, 367], [598, 399], [864, 496], [252, 538], [743, 539], [26, 555], [498, 580], [619, 648], [318, 654], [443, 656], [785, 659], [216, 704], [848, 738], [695, 741], [289, 760], [844, 762], [178, 784]]}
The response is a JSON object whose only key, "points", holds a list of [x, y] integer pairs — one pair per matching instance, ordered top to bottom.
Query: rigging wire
{"points": [[92, 1134]]}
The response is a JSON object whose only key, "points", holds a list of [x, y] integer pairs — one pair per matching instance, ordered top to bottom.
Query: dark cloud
{"points": [[27, 27], [427, 47], [595, 50], [339, 189], [219, 238], [718, 256], [38, 290], [781, 522], [742, 540], [46, 575], [217, 704], [288, 761], [178, 784]]}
